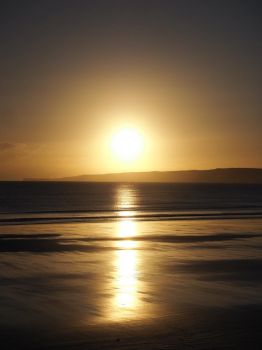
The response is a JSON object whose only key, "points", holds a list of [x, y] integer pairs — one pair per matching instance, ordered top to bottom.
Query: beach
{"points": [[130, 276]]}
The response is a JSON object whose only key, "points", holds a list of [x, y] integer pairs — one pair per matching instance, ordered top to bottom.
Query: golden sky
{"points": [[187, 78]]}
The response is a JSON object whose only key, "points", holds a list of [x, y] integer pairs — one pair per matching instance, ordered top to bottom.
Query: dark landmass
{"points": [[223, 175]]}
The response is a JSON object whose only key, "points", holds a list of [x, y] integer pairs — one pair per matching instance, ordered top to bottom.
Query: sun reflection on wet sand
{"points": [[127, 228], [126, 279], [125, 301]]}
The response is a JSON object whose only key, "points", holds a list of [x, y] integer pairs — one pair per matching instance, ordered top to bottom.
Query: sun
{"points": [[127, 144]]}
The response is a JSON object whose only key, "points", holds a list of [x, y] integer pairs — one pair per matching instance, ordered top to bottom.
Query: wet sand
{"points": [[132, 285], [234, 328]]}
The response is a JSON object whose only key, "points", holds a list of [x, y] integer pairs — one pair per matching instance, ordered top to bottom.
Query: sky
{"points": [[185, 74]]}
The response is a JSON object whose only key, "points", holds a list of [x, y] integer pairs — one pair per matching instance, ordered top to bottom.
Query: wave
{"points": [[144, 208], [107, 216], [54, 243]]}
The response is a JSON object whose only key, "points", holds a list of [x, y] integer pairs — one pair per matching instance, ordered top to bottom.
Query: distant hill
{"points": [[223, 175]]}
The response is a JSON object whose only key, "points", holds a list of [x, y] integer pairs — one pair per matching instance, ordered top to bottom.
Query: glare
{"points": [[127, 144], [126, 198], [126, 214], [127, 228], [127, 244], [126, 279], [125, 301]]}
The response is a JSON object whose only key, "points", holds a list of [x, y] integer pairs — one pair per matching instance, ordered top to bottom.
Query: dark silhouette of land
{"points": [[221, 175]]}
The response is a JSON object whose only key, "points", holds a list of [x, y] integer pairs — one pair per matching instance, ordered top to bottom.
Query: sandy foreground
{"points": [[188, 285], [236, 328]]}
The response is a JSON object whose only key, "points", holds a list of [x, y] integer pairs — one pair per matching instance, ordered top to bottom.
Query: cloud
{"points": [[7, 146], [11, 150]]}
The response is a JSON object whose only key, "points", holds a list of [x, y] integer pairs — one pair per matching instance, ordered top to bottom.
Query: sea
{"points": [[94, 256]]}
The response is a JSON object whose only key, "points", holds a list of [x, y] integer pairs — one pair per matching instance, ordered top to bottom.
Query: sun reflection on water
{"points": [[126, 198]]}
